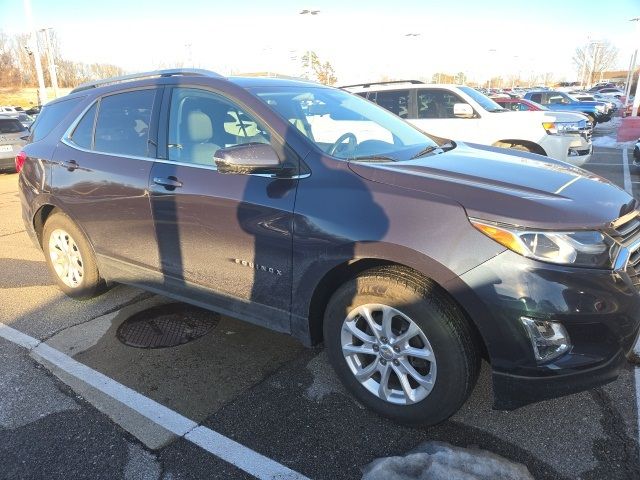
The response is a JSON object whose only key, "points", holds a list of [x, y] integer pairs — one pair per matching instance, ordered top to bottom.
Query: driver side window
{"points": [[437, 103], [201, 122]]}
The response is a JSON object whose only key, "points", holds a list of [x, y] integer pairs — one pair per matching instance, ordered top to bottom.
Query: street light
{"points": [[312, 13], [491, 50], [636, 99]]}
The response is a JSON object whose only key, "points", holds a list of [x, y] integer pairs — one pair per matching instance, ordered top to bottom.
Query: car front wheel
{"points": [[401, 346]]}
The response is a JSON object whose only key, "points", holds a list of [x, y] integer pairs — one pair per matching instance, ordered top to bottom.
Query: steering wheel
{"points": [[353, 142]]}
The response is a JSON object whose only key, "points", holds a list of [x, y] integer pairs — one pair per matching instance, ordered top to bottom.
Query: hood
{"points": [[590, 104], [563, 116], [509, 186]]}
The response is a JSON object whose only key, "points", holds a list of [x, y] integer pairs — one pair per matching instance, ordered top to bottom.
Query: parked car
{"points": [[601, 85], [611, 92], [561, 101], [611, 103], [7, 109], [462, 113], [22, 117], [12, 135], [636, 153], [339, 222]]}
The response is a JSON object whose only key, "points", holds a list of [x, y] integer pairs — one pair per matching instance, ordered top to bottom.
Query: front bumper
{"points": [[574, 149], [600, 310]]}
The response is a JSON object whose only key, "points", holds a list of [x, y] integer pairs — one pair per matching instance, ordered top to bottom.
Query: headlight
{"points": [[564, 128], [580, 249]]}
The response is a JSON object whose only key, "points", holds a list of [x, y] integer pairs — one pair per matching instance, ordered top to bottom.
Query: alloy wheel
{"points": [[65, 258], [388, 353]]}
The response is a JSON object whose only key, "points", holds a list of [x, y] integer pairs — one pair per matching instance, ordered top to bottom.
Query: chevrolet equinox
{"points": [[314, 212]]}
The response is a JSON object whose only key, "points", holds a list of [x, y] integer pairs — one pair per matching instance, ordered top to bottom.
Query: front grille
{"points": [[626, 232]]}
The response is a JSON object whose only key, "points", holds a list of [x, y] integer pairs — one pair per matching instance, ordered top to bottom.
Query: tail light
{"points": [[20, 158]]}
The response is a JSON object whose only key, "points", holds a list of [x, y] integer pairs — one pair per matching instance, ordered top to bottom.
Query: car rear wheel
{"points": [[70, 258], [401, 346]]}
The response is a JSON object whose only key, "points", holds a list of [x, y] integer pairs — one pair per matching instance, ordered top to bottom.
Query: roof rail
{"points": [[172, 72], [391, 82]]}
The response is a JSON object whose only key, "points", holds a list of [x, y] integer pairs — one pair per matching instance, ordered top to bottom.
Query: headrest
{"points": [[199, 126]]}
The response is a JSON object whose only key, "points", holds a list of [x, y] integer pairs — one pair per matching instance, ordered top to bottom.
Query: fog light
{"points": [[548, 339]]}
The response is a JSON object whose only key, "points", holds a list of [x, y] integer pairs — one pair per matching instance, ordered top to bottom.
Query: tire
{"points": [[522, 148], [60, 230], [455, 360]]}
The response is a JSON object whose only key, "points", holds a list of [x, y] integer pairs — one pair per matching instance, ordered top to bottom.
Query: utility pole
{"points": [[50, 60], [627, 85], [42, 92]]}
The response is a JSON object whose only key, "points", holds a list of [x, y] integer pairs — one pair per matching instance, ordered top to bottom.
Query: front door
{"points": [[434, 115], [101, 174], [230, 235]]}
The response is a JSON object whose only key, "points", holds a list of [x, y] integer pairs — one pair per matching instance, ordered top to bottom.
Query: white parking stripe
{"points": [[625, 171], [213, 442]]}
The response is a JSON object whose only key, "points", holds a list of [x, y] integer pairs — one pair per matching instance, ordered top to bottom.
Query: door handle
{"points": [[70, 165], [170, 183]]}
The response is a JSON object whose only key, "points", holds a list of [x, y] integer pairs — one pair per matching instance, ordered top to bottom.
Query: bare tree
{"points": [[593, 59], [18, 68], [322, 71]]}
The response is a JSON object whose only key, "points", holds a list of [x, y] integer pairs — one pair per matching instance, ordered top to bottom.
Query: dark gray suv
{"points": [[314, 212]]}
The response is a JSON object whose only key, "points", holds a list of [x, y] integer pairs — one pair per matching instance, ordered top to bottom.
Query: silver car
{"points": [[12, 138]]}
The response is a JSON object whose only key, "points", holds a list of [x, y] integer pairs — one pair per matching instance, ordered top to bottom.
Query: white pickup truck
{"points": [[460, 112]]}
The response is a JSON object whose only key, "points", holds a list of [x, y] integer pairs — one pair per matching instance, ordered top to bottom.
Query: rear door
{"points": [[101, 174], [223, 239]]}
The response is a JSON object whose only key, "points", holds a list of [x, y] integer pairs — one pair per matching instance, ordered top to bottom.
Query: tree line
{"points": [[18, 65]]}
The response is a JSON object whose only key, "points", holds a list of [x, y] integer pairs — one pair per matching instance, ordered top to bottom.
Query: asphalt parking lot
{"points": [[260, 389]]}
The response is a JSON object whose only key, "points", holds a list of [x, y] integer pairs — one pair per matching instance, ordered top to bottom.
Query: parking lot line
{"points": [[626, 172], [222, 447]]}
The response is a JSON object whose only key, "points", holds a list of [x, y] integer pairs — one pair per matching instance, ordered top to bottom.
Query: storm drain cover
{"points": [[166, 326]]}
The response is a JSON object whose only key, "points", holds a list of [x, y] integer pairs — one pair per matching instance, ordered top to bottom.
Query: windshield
{"points": [[484, 101], [345, 125]]}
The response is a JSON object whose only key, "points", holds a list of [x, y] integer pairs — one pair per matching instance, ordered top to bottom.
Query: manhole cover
{"points": [[166, 326]]}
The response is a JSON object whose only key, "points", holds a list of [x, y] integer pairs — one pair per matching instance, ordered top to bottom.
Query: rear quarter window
{"points": [[51, 116], [9, 125]]}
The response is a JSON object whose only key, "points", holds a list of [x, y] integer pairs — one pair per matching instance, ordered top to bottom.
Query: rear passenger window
{"points": [[396, 101], [51, 116], [122, 126], [83, 133]]}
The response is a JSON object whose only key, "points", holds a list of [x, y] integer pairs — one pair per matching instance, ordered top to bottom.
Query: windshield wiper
{"points": [[428, 150], [372, 158]]}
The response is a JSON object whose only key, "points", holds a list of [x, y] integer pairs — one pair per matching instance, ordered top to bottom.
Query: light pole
{"points": [[311, 13], [413, 35], [491, 50], [53, 75], [42, 92], [636, 99]]}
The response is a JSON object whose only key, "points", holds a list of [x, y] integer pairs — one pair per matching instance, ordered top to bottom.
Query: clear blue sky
{"points": [[361, 38]]}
